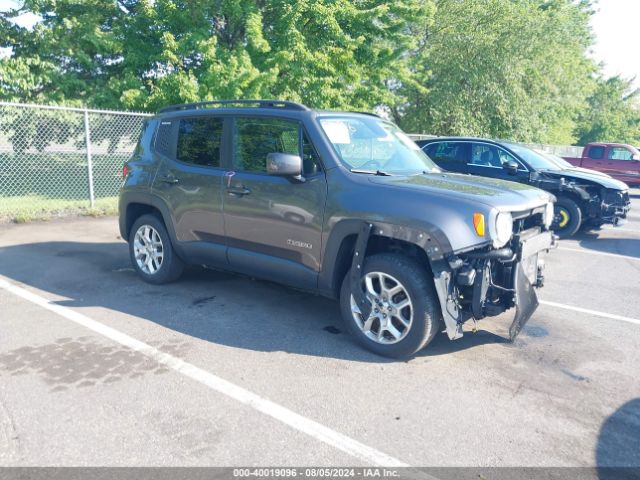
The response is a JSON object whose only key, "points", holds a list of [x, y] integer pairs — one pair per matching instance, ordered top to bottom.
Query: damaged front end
{"points": [[599, 204], [610, 206], [488, 281]]}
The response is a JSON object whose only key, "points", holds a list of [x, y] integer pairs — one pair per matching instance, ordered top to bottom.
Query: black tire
{"points": [[567, 217], [171, 266], [427, 316]]}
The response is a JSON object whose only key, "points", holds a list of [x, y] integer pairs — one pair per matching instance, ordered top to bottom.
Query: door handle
{"points": [[171, 180], [238, 190]]}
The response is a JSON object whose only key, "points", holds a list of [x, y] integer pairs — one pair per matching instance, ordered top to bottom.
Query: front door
{"points": [[595, 158], [487, 160], [189, 181], [273, 224]]}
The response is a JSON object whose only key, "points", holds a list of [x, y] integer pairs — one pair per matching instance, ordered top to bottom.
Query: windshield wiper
{"points": [[381, 173]]}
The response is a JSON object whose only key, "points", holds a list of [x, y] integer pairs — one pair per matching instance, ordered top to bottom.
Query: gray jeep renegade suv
{"points": [[341, 204]]}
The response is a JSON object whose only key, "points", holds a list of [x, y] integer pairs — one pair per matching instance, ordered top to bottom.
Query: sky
{"points": [[616, 25], [617, 28]]}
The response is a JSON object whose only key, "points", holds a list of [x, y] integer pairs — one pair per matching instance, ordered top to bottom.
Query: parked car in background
{"points": [[616, 159], [582, 196], [341, 204]]}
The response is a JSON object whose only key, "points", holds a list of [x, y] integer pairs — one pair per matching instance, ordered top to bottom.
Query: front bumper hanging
{"points": [[613, 208], [501, 279]]}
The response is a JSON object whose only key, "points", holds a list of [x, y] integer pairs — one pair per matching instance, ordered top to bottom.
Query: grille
{"points": [[528, 219]]}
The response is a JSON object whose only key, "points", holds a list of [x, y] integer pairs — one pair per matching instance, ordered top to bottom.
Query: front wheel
{"points": [[567, 217], [405, 313]]}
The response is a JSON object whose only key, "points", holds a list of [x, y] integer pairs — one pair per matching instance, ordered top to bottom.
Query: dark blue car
{"points": [[583, 196]]}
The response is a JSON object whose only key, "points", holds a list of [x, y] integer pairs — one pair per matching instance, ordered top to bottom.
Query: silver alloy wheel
{"points": [[148, 249], [391, 309]]}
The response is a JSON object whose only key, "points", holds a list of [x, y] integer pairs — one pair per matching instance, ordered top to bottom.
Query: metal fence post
{"points": [[87, 133]]}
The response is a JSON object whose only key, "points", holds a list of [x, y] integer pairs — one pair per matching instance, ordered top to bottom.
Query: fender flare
{"points": [[144, 198], [428, 237]]}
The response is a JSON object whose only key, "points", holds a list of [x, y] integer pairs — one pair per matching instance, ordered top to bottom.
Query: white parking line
{"points": [[593, 252], [591, 312], [305, 425]]}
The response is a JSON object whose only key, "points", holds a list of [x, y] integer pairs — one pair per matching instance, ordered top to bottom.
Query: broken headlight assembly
{"points": [[548, 215], [504, 229]]}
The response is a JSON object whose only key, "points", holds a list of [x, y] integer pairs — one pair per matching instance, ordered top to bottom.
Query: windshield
{"points": [[372, 144], [533, 158], [556, 159]]}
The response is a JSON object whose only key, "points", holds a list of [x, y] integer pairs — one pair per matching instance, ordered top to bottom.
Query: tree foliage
{"points": [[143, 54], [503, 68], [514, 69], [613, 114]]}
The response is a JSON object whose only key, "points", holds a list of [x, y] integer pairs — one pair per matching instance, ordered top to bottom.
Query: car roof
{"points": [[253, 107], [464, 139], [608, 144]]}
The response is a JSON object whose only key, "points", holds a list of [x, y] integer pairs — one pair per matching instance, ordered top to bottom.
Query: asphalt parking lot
{"points": [[99, 368]]}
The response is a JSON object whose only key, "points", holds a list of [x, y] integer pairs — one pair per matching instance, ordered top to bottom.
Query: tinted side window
{"points": [[255, 138], [163, 140], [199, 141], [448, 152], [596, 153], [620, 153], [485, 155], [505, 156], [310, 158]]}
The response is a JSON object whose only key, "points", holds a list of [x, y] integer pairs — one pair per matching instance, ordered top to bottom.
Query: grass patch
{"points": [[33, 207]]}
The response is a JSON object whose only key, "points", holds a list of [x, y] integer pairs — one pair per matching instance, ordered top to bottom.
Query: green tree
{"points": [[142, 54], [502, 68], [613, 114]]}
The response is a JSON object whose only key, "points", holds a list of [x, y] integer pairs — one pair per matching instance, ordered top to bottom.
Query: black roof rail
{"points": [[284, 104], [368, 113]]}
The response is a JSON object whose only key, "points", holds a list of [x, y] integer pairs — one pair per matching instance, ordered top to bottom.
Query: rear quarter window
{"points": [[163, 141]]}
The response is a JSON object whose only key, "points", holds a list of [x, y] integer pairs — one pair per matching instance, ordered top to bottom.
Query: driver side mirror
{"points": [[635, 157], [284, 165], [511, 166]]}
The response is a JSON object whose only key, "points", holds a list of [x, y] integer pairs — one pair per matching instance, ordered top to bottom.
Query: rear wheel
{"points": [[567, 217], [151, 252], [405, 313]]}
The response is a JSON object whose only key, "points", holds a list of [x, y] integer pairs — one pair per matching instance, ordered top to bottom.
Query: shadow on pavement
{"points": [[597, 241], [217, 307], [441, 345], [618, 447]]}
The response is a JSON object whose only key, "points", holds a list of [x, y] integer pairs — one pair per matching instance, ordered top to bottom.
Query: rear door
{"points": [[451, 156], [189, 181], [273, 224]]}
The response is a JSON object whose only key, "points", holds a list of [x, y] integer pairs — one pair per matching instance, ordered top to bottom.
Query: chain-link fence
{"points": [[59, 159]]}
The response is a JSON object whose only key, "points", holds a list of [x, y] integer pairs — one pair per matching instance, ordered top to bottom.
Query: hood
{"points": [[592, 172], [584, 174], [501, 194]]}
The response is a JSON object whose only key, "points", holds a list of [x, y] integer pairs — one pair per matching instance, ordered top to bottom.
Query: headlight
{"points": [[548, 215], [504, 229]]}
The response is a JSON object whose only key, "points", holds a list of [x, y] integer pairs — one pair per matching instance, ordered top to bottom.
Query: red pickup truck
{"points": [[616, 159]]}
